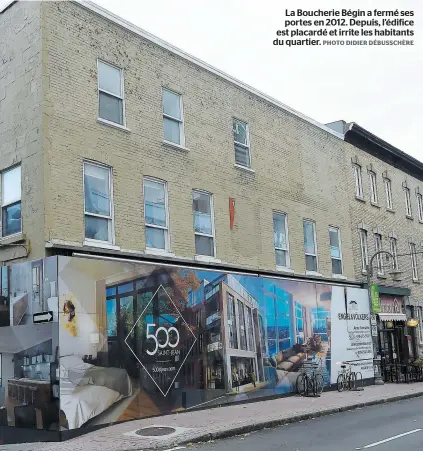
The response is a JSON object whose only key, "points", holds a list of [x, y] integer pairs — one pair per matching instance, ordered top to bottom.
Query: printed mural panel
{"points": [[138, 340]]}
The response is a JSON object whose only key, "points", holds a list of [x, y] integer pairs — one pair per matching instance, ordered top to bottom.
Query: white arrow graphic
{"points": [[44, 317]]}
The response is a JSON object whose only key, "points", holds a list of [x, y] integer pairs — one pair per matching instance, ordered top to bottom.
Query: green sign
{"points": [[374, 296]]}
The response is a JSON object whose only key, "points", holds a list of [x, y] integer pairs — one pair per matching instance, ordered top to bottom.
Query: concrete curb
{"points": [[258, 426]]}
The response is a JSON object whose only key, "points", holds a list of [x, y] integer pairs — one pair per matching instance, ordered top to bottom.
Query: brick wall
{"points": [[21, 118], [298, 168]]}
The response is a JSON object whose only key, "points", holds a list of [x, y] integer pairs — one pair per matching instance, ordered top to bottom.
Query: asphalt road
{"points": [[375, 428]]}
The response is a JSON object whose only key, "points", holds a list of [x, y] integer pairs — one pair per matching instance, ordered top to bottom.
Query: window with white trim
{"points": [[110, 93], [173, 122], [242, 143], [358, 181], [373, 187], [388, 192], [11, 201], [98, 205], [202, 206], [420, 206], [408, 210], [156, 214], [280, 239], [310, 248], [378, 248], [364, 249], [335, 250], [394, 251], [414, 268], [419, 311]]}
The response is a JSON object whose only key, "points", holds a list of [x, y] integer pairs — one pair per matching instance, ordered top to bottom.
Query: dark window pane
{"points": [[111, 108], [172, 131], [242, 156], [97, 189], [12, 222], [97, 228], [155, 238], [204, 245], [280, 258], [311, 263], [336, 266], [125, 288], [111, 291], [111, 317]]}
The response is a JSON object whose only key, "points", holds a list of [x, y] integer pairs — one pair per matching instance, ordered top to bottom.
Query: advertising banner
{"points": [[375, 298]]}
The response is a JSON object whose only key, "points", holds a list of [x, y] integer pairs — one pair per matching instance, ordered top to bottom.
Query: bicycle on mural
{"points": [[348, 379], [310, 381]]}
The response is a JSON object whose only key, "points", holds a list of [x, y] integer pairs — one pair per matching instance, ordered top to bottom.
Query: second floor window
{"points": [[110, 93], [173, 124], [241, 143], [358, 181], [373, 187], [388, 192], [11, 201], [98, 202], [202, 205], [420, 206], [408, 210], [156, 214], [280, 239], [310, 248], [378, 248], [335, 250], [364, 250], [394, 252], [413, 255]]}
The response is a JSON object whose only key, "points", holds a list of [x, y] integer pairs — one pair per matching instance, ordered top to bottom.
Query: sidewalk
{"points": [[225, 421]]}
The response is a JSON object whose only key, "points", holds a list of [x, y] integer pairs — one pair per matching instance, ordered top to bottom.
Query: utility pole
{"points": [[369, 270]]}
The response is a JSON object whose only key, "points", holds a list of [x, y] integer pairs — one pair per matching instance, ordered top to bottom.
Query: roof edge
{"points": [[171, 48]]}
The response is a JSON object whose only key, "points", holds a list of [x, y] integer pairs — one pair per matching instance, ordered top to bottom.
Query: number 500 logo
{"points": [[159, 343]]}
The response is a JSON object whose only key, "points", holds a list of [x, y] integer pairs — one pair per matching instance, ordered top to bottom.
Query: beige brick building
{"points": [[104, 119], [384, 188]]}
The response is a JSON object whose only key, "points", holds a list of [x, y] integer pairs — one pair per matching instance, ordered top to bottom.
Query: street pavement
{"points": [[392, 427], [346, 430]]}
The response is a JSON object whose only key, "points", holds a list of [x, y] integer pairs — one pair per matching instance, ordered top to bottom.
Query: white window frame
{"points": [[122, 83], [180, 121], [243, 145], [358, 181], [373, 187], [388, 192], [13, 202], [420, 206], [408, 209], [93, 215], [212, 221], [154, 226], [338, 231], [315, 245], [393, 246], [378, 248], [364, 249], [288, 256], [414, 262], [420, 318]]}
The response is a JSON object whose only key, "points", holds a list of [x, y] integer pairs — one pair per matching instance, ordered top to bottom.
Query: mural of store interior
{"points": [[131, 340]]}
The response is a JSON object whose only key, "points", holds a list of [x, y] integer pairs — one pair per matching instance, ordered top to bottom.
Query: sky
{"points": [[380, 88]]}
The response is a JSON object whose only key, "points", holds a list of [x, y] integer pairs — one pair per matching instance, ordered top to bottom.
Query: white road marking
{"points": [[390, 439], [174, 449]]}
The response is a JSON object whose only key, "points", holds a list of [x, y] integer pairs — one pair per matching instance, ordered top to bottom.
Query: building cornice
{"points": [[108, 15]]}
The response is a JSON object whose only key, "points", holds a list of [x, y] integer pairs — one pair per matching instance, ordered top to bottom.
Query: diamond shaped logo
{"points": [[159, 338]]}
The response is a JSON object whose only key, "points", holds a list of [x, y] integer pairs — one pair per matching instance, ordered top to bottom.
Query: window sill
{"points": [[113, 124], [175, 146], [244, 168], [361, 199], [375, 204], [390, 210], [409, 217], [421, 221], [11, 239], [101, 245], [158, 252], [207, 259], [284, 269], [364, 272], [313, 273], [339, 276], [381, 276], [416, 281]]}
